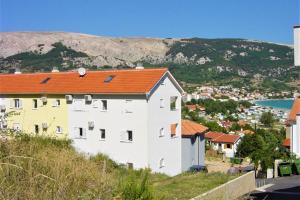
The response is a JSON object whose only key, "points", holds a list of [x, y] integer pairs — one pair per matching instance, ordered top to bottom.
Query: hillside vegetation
{"points": [[239, 62], [43, 168]]}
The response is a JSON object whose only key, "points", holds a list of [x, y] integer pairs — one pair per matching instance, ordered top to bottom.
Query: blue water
{"points": [[278, 103]]}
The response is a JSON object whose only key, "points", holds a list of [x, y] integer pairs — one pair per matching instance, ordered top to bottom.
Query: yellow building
{"points": [[37, 114]]}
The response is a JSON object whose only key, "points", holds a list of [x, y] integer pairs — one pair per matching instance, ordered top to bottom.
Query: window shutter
{"points": [[20, 103], [54, 103], [76, 132], [83, 133], [123, 136]]}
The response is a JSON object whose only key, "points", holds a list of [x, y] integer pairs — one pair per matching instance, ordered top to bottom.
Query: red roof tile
{"points": [[132, 81], [295, 110], [189, 128], [212, 135], [221, 137], [226, 138], [286, 142]]}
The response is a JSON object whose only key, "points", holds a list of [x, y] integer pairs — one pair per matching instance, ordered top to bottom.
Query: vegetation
{"points": [[267, 119], [263, 147], [44, 168]]}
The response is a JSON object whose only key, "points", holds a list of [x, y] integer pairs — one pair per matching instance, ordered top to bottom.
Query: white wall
{"points": [[297, 45], [115, 121], [295, 137], [164, 147]]}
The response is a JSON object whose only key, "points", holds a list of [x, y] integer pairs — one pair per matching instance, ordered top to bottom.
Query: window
{"points": [[109, 78], [17, 103], [34, 103], [56, 103], [95, 103], [162, 103], [173, 103], [78, 104], [104, 105], [128, 106], [16, 126], [36, 129], [59, 129], [174, 130], [80, 132], [161, 132], [102, 134], [129, 134], [126, 136], [227, 146], [161, 162]]}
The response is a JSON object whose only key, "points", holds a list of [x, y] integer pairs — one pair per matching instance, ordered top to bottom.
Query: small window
{"points": [[109, 78], [45, 80], [17, 103], [34, 103], [56, 103], [95, 103], [162, 103], [173, 103], [104, 104], [128, 106], [16, 126], [36, 129], [59, 129], [174, 130], [80, 132], [161, 132], [102, 134], [129, 134], [227, 146], [161, 162], [130, 165]]}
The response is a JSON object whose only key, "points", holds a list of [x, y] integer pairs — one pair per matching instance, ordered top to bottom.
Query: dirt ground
{"points": [[215, 164]]}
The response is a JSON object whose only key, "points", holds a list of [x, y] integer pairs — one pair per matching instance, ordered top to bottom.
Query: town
{"points": [[90, 117]]}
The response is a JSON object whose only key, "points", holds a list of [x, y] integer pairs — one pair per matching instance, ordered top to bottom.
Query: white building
{"points": [[136, 122], [293, 129], [225, 143]]}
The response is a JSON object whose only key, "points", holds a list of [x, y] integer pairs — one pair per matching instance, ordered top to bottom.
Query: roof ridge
{"points": [[92, 71]]}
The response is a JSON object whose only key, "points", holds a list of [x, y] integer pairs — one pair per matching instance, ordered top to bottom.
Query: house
{"points": [[133, 116], [293, 121], [293, 128], [226, 143], [192, 144]]}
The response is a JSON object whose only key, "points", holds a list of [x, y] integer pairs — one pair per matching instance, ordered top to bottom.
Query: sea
{"points": [[282, 104]]}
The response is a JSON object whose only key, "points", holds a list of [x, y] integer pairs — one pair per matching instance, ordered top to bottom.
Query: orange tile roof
{"points": [[131, 81], [295, 110], [189, 128], [212, 135], [221, 137], [226, 138], [286, 142]]}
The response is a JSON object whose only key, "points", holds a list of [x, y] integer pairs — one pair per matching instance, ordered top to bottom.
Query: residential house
{"points": [[133, 116], [293, 128], [225, 143], [192, 144]]}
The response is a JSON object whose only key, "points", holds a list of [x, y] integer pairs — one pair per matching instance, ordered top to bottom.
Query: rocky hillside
{"points": [[192, 60]]}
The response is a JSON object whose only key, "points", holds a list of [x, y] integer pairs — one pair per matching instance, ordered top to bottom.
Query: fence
{"points": [[232, 189]]}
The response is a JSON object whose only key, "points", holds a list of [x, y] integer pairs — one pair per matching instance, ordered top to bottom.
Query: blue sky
{"points": [[269, 20]]}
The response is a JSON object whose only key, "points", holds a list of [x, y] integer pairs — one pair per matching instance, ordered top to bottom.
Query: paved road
{"points": [[284, 188]]}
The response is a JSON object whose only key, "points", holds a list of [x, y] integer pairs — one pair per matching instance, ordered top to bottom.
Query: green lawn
{"points": [[188, 185]]}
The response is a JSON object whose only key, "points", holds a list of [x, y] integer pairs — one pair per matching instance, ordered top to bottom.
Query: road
{"points": [[284, 188]]}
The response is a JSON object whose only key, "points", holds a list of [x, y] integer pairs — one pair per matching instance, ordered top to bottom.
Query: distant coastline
{"points": [[281, 104]]}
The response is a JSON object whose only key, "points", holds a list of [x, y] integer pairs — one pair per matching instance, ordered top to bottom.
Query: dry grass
{"points": [[43, 168]]}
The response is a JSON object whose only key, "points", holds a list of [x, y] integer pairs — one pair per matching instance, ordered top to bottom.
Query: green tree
{"points": [[267, 119]]}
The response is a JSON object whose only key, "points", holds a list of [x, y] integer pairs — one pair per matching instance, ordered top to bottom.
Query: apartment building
{"points": [[133, 116]]}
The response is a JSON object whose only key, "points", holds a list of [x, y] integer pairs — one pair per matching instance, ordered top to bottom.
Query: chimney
{"points": [[297, 45], [55, 69], [18, 71]]}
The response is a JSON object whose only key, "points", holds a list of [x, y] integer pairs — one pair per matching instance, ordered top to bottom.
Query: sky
{"points": [[267, 20]]}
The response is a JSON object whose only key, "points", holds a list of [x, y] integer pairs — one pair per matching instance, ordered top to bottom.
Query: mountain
{"points": [[193, 60]]}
